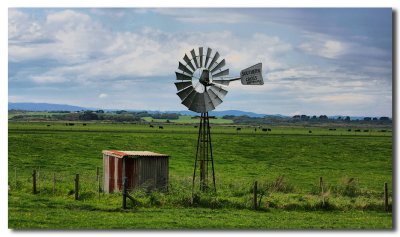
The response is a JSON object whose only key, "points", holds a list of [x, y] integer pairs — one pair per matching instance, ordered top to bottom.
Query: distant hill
{"points": [[43, 107], [63, 107], [222, 113]]}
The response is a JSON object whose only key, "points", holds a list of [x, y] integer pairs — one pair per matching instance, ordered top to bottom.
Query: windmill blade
{"points": [[201, 56], [207, 56], [194, 58], [215, 58], [188, 62], [219, 65], [184, 69], [222, 73], [181, 76], [222, 82], [180, 85], [219, 91], [184, 93], [214, 98], [189, 99], [208, 102], [198, 104]]}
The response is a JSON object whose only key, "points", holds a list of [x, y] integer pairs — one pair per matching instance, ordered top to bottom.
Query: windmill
{"points": [[202, 83]]}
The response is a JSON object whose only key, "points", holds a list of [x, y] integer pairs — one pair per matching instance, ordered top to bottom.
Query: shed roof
{"points": [[132, 154]]}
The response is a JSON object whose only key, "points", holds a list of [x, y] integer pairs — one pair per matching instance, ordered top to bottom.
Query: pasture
{"points": [[286, 161]]}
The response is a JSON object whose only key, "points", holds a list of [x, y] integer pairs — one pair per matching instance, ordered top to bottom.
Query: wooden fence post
{"points": [[97, 173], [38, 178], [34, 182], [124, 185], [77, 187], [99, 187], [321, 187], [255, 195], [386, 197]]}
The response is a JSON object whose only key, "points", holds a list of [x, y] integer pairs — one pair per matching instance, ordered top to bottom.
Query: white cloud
{"points": [[203, 16], [65, 36], [325, 48], [86, 51], [103, 96]]}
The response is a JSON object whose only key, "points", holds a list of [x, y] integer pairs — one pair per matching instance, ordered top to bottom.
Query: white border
{"points": [[159, 3]]}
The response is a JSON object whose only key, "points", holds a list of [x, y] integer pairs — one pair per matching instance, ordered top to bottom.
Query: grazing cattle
{"points": [[66, 124], [71, 124], [84, 124], [48, 125], [151, 126], [195, 126], [160, 127], [238, 129], [255, 129], [265, 129], [332, 129], [269, 130], [349, 130], [357, 130], [366, 130], [383, 130], [309, 131]]}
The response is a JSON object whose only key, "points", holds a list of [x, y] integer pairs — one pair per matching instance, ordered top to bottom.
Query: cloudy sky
{"points": [[315, 61]]}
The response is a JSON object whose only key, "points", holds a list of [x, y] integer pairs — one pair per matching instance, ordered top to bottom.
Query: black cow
{"points": [[160, 127]]}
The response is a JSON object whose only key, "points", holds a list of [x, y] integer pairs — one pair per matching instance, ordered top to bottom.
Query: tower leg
{"points": [[204, 156]]}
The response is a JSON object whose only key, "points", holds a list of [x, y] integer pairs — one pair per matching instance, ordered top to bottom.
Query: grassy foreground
{"points": [[354, 168]]}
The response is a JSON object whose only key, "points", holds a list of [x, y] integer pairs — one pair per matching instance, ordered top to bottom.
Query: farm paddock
{"points": [[354, 168]]}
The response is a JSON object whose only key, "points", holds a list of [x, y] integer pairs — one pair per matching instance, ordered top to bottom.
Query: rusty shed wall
{"points": [[144, 171], [106, 175]]}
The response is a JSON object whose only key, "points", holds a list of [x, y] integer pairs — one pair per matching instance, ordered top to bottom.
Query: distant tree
{"points": [[100, 111], [121, 112], [88, 115], [228, 117], [304, 117], [323, 117], [339, 118], [347, 118], [367, 118], [375, 119], [384, 119]]}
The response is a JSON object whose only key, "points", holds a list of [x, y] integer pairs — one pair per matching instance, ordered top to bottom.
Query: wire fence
{"points": [[43, 181], [89, 185]]}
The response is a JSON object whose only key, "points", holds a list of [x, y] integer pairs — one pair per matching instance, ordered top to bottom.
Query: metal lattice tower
{"points": [[204, 156]]}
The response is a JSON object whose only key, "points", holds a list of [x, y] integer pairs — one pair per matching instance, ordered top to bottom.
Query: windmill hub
{"points": [[205, 77], [201, 79]]}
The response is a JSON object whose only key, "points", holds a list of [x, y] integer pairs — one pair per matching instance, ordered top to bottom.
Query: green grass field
{"points": [[354, 167]]}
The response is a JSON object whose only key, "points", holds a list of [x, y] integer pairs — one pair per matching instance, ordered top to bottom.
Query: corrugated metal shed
{"points": [[142, 168]]}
